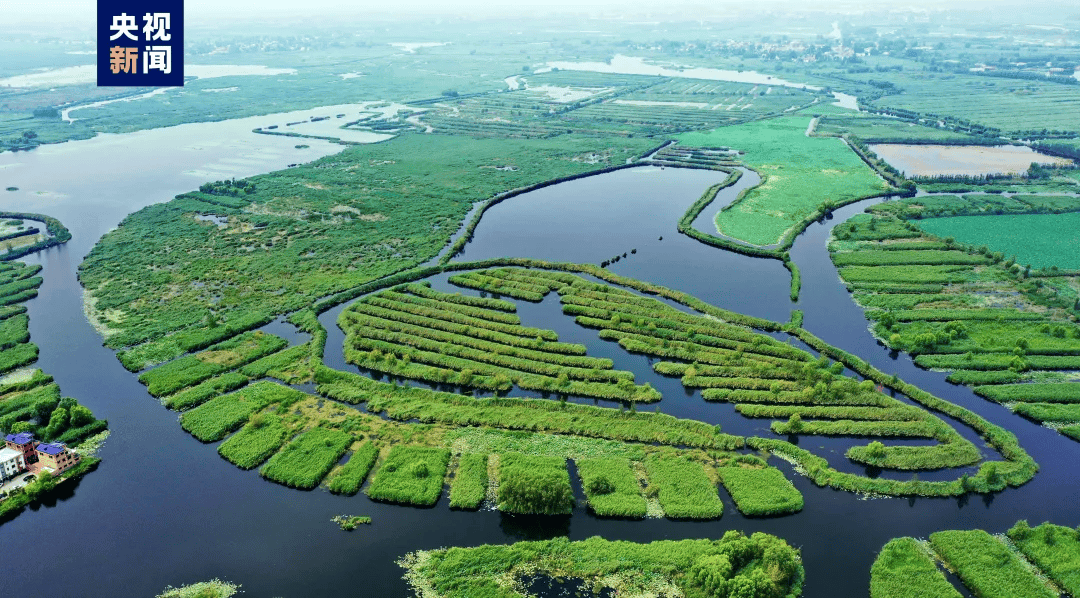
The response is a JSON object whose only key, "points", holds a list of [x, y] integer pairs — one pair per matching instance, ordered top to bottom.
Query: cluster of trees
{"points": [[230, 187], [44, 413], [534, 485], [727, 573]]}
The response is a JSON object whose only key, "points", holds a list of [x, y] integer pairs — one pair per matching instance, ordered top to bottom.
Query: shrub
{"points": [[534, 485], [469, 486], [611, 487]]}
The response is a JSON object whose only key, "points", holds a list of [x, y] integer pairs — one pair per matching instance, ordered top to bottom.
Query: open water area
{"points": [[165, 509]]}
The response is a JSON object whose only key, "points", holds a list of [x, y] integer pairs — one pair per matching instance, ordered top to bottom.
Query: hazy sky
{"points": [[78, 12]]}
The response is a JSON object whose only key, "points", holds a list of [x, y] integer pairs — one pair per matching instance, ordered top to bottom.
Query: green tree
{"points": [[44, 408], [81, 416], [57, 423]]}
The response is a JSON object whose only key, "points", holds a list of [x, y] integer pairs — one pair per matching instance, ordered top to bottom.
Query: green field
{"points": [[1007, 104], [880, 129], [799, 174], [1042, 240], [989, 317]]}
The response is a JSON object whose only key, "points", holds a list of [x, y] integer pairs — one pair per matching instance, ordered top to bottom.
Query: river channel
{"points": [[165, 509]]}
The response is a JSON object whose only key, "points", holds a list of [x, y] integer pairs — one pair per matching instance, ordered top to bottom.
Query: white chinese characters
{"points": [[123, 25], [157, 26], [158, 58]]}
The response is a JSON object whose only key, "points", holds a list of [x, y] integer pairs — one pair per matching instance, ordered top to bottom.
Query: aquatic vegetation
{"points": [[985, 106], [869, 128], [58, 235], [920, 257], [262, 262], [425, 290], [13, 331], [186, 341], [448, 342], [715, 353], [18, 356], [289, 365], [186, 371], [974, 377], [204, 391], [1057, 392], [29, 399], [1049, 412], [524, 414], [214, 419], [261, 437], [306, 460], [410, 475], [351, 476], [470, 482], [533, 485], [611, 487], [683, 488], [761, 491], [348, 523], [1053, 548], [735, 565], [987, 566], [990, 566], [906, 569], [214, 588]]}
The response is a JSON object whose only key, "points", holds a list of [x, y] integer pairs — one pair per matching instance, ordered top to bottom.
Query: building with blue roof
{"points": [[20, 438], [24, 443], [55, 455]]}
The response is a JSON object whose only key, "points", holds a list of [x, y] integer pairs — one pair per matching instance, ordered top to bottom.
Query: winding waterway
{"points": [[165, 509]]}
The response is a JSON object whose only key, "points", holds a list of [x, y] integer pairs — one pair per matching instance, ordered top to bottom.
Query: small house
{"points": [[56, 456]]}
